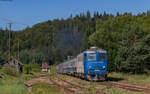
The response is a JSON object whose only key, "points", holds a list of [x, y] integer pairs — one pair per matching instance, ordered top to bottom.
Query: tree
{"points": [[133, 54]]}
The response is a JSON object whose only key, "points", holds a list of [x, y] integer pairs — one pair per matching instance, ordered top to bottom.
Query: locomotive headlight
{"points": [[90, 67], [104, 67]]}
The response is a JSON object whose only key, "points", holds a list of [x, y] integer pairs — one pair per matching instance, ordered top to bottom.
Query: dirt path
{"points": [[37, 80]]}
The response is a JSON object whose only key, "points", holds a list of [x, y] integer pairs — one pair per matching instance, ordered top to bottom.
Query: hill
{"points": [[125, 37]]}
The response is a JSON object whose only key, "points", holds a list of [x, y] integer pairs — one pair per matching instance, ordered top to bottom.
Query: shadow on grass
{"points": [[111, 79], [114, 79]]}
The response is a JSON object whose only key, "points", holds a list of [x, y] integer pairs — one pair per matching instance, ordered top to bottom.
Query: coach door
{"points": [[80, 63]]}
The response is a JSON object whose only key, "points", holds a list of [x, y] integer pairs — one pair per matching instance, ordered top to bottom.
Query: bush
{"points": [[0, 66], [36, 67], [27, 69], [10, 71]]}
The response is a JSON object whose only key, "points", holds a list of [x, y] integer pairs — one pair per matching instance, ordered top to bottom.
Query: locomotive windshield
{"points": [[102, 56], [92, 57]]}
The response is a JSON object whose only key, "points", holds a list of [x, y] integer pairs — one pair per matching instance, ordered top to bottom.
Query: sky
{"points": [[25, 13]]}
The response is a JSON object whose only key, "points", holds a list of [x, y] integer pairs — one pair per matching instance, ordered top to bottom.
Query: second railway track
{"points": [[130, 87]]}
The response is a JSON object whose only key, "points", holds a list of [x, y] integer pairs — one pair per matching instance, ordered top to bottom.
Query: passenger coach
{"points": [[90, 64]]}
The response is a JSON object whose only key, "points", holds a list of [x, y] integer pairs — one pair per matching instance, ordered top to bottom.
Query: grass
{"points": [[53, 68], [10, 71], [121, 77], [131, 78], [12, 83], [11, 86], [43, 88], [119, 91]]}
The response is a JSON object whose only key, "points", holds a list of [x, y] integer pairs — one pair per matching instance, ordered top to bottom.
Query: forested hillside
{"points": [[126, 37]]}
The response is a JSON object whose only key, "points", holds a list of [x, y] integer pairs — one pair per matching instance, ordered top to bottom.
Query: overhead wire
{"points": [[6, 0], [14, 22]]}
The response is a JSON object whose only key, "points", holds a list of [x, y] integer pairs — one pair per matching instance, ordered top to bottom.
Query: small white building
{"points": [[45, 67]]}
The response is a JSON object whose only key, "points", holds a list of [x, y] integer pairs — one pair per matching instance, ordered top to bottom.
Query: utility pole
{"points": [[9, 42], [18, 49]]}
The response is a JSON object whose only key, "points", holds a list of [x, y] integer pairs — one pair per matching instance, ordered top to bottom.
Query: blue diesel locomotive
{"points": [[90, 64]]}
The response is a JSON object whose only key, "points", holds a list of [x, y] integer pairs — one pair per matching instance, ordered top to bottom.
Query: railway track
{"points": [[77, 86], [124, 86], [80, 87], [131, 87], [68, 90]]}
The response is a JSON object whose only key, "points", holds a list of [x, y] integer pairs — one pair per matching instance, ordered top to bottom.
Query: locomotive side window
{"points": [[102, 56], [91, 57]]}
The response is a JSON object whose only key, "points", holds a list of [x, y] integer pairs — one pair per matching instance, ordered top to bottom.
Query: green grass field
{"points": [[14, 84]]}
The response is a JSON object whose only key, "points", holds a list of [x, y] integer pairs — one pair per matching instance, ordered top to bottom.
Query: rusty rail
{"points": [[73, 84], [61, 86], [78, 86], [81, 87], [131, 87]]}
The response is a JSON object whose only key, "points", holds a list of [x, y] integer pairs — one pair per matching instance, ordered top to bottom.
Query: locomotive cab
{"points": [[95, 65]]}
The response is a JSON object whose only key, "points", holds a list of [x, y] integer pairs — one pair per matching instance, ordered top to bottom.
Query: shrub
{"points": [[0, 66], [36, 67], [27, 69], [10, 71]]}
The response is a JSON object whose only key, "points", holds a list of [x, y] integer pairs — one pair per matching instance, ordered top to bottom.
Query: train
{"points": [[90, 64]]}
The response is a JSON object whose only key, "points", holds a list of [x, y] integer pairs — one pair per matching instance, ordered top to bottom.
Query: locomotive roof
{"points": [[95, 49]]}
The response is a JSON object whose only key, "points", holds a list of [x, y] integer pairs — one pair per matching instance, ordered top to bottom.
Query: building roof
{"points": [[16, 61], [13, 63], [45, 65]]}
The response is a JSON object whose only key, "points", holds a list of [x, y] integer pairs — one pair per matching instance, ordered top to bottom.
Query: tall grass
{"points": [[53, 68], [10, 71], [9, 86]]}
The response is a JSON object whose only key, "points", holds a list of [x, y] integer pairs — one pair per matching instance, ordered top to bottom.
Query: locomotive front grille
{"points": [[97, 68]]}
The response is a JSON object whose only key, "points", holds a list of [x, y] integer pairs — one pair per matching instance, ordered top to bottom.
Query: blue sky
{"points": [[31, 12]]}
